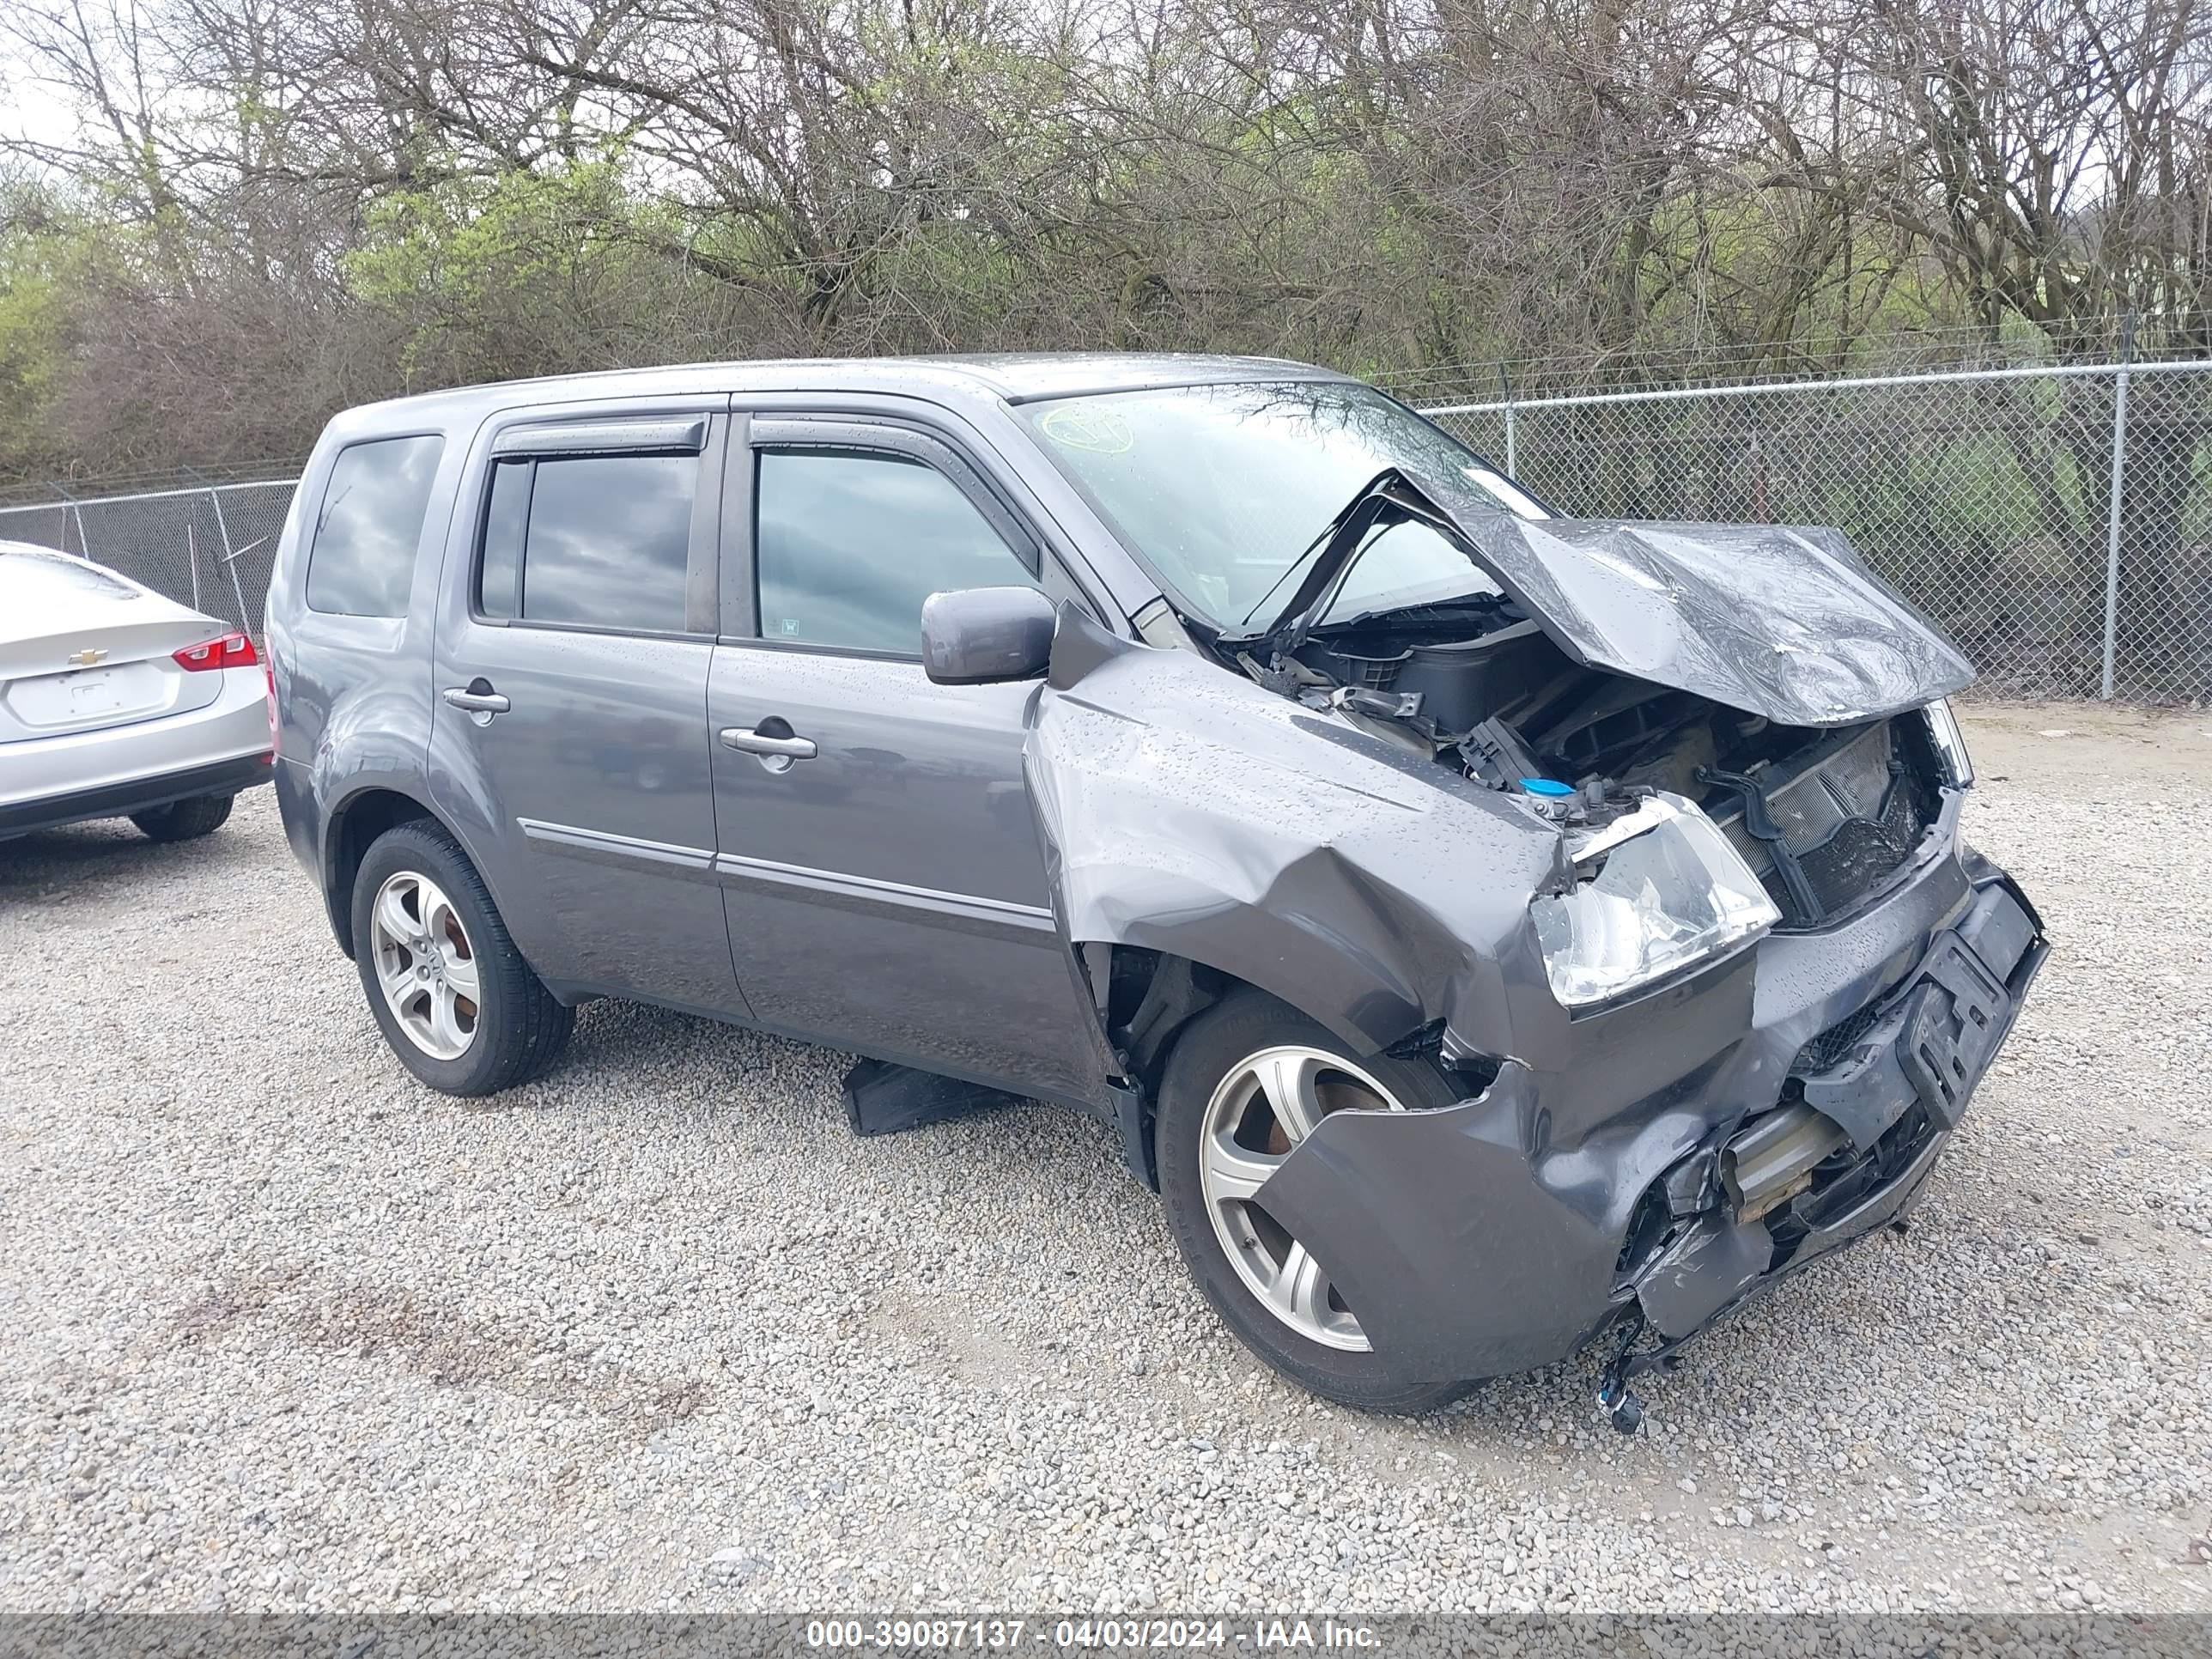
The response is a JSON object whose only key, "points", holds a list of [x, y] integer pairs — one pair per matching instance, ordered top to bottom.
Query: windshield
{"points": [[1223, 488]]}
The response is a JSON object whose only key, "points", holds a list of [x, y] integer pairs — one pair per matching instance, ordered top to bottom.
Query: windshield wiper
{"points": [[1388, 498], [1288, 570], [1450, 601]]}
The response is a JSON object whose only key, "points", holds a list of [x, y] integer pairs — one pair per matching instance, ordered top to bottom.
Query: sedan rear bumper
{"points": [[114, 771], [119, 800]]}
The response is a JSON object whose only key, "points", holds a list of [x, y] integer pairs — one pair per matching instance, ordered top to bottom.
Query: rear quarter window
{"points": [[360, 560]]}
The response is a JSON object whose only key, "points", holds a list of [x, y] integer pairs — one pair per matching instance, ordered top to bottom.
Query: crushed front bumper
{"points": [[1879, 1113], [1504, 1231]]}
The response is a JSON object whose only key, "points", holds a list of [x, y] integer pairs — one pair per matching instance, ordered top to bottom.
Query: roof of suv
{"points": [[1012, 377]]}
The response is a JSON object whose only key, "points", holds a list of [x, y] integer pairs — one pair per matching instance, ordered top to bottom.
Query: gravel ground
{"points": [[285, 1330]]}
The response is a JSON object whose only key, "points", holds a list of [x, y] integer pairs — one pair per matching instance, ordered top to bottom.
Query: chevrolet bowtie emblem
{"points": [[86, 658]]}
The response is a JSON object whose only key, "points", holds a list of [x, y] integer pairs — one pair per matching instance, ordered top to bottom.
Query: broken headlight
{"points": [[1949, 743], [1656, 891]]}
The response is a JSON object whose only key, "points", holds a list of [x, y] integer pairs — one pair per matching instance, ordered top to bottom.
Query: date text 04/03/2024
{"points": [[1109, 1634]]}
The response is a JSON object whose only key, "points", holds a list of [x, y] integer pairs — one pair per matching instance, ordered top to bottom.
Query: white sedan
{"points": [[116, 702]]}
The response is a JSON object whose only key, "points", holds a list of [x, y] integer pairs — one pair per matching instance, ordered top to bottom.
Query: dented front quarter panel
{"points": [[1189, 810]]}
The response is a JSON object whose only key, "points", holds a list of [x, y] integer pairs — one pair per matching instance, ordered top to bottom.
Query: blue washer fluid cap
{"points": [[1550, 788]]}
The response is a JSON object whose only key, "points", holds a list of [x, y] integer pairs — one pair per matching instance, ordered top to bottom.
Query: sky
{"points": [[30, 109]]}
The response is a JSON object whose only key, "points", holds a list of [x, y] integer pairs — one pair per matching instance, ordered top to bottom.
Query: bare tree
{"points": [[403, 191]]}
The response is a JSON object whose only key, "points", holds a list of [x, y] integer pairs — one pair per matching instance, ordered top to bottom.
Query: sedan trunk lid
{"points": [[82, 649]]}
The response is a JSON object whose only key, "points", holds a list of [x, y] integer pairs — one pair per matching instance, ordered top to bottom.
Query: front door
{"points": [[573, 657], [881, 872]]}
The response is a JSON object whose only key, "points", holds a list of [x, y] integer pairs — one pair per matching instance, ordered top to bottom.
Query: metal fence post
{"points": [[1512, 425], [71, 509], [2113, 518], [229, 557]]}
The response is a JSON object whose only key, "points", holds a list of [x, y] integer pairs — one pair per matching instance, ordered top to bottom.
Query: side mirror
{"points": [[980, 635]]}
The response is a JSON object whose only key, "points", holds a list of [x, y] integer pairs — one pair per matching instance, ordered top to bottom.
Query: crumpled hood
{"points": [[1773, 619]]}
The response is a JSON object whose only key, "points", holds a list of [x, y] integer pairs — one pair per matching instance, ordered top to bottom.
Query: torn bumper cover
{"points": [[1503, 1232]]}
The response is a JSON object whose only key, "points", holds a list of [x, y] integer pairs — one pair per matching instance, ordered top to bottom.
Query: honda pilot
{"points": [[1488, 930]]}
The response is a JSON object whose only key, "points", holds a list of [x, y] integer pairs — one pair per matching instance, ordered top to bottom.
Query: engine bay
{"points": [[1822, 815]]}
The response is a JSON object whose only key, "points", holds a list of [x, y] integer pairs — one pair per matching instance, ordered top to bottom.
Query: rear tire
{"points": [[184, 820], [454, 996], [1318, 1345]]}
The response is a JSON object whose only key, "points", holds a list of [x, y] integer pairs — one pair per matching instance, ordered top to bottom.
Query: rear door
{"points": [[576, 629], [881, 866]]}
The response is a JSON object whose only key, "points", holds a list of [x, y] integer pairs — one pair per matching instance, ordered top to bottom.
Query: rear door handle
{"points": [[478, 698], [767, 744]]}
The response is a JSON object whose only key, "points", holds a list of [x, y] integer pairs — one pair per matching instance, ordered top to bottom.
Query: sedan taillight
{"points": [[231, 651]]}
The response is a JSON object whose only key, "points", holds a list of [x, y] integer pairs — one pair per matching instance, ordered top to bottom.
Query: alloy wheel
{"points": [[425, 964], [1265, 1105]]}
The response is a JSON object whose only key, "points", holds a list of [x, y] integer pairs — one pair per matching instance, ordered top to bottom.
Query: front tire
{"points": [[184, 820], [454, 996], [1245, 1082]]}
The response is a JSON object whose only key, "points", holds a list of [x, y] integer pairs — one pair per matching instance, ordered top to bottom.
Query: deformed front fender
{"points": [[1186, 809]]}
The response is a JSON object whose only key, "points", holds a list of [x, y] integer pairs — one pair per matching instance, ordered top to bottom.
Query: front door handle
{"points": [[478, 698], [769, 744]]}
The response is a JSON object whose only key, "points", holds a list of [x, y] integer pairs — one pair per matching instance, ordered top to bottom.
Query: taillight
{"points": [[231, 651]]}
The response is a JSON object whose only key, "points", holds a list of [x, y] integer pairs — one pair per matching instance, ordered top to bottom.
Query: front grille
{"points": [[1849, 821], [1861, 852], [1835, 1044]]}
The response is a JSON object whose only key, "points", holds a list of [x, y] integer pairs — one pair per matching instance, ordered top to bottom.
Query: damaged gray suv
{"points": [[1488, 930]]}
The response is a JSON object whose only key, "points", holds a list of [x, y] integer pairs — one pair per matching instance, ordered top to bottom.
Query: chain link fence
{"points": [[2057, 521], [211, 548]]}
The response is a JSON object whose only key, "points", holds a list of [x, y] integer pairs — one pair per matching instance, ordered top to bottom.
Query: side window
{"points": [[506, 516], [603, 539], [847, 546], [360, 562]]}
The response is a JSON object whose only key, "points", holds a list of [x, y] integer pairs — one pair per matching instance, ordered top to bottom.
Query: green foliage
{"points": [[1402, 193], [47, 261], [493, 275], [31, 353]]}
